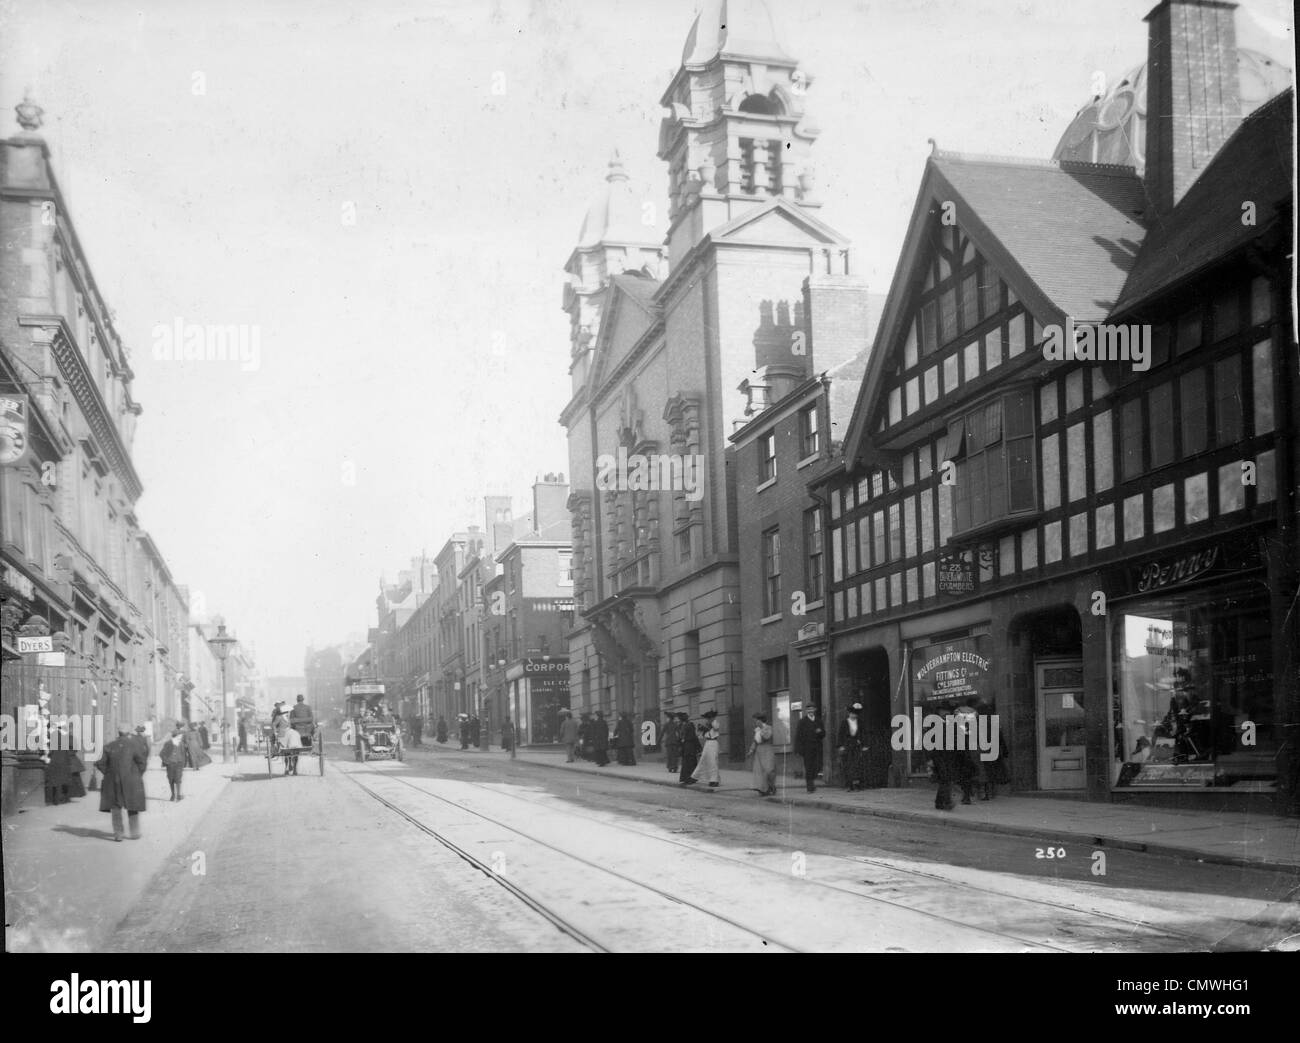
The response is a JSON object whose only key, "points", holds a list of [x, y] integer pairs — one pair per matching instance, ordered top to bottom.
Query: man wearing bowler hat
{"points": [[123, 765]]}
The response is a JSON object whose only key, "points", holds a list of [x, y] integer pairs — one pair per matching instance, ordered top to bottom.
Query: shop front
{"points": [[538, 689], [1194, 694]]}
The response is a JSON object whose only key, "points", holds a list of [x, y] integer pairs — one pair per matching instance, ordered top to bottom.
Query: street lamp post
{"points": [[221, 645]]}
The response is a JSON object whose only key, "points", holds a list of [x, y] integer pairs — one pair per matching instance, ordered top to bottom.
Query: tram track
{"points": [[894, 906], [561, 922], [1192, 941]]}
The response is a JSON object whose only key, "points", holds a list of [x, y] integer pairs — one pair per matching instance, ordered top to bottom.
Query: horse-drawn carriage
{"points": [[287, 741]]}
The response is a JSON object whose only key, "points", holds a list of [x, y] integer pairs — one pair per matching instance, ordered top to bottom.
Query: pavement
{"points": [[1252, 841], [68, 884]]}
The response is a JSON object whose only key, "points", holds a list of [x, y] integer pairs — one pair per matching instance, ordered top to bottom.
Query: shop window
{"points": [[1193, 670]]}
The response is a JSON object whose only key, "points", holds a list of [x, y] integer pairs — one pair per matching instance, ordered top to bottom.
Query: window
{"points": [[1227, 400], [1160, 405], [1192, 407], [810, 437], [995, 446], [767, 457], [878, 542], [684, 545], [566, 570], [772, 572], [815, 577], [691, 659]]}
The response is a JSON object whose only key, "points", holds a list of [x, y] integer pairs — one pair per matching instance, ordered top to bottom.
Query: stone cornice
{"points": [[72, 364]]}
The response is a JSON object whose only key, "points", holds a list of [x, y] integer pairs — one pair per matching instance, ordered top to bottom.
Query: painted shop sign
{"points": [[1206, 560], [956, 574], [546, 666], [953, 670]]}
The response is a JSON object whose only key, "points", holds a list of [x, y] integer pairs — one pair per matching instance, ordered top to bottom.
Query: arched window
{"points": [[762, 104]]}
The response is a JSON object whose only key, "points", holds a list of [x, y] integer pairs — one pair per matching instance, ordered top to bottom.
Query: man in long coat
{"points": [[570, 735], [624, 739], [808, 739], [600, 740], [672, 740], [691, 748], [172, 755], [197, 758], [123, 766]]}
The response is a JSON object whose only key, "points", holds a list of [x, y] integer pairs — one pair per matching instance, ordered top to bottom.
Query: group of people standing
{"points": [[589, 738], [692, 750], [966, 767]]}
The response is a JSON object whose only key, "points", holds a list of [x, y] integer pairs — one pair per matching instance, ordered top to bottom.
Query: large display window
{"points": [[1193, 705]]}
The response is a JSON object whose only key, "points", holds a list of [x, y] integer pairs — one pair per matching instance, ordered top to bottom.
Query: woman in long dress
{"points": [[764, 754], [707, 769]]}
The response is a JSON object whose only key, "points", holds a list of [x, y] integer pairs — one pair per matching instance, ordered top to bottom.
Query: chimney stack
{"points": [[1193, 99]]}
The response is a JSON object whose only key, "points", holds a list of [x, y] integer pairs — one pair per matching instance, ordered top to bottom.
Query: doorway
{"points": [[1059, 701]]}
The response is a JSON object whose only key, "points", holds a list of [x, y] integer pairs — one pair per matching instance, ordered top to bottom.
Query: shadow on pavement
{"points": [[82, 831]]}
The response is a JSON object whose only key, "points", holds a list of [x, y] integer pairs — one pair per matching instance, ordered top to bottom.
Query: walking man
{"points": [[568, 734], [243, 736], [672, 738], [600, 739], [624, 739], [808, 740], [691, 749], [173, 758], [123, 766]]}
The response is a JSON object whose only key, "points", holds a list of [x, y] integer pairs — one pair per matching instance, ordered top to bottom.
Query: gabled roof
{"points": [[1256, 164], [749, 220], [1064, 236], [640, 291]]}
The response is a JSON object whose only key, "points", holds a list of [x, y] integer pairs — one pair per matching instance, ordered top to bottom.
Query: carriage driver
{"points": [[301, 718]]}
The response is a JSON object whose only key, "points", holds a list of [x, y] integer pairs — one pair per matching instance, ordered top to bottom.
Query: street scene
{"points": [[720, 476]]}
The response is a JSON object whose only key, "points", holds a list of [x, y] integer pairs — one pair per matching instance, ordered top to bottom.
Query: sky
{"points": [[383, 196]]}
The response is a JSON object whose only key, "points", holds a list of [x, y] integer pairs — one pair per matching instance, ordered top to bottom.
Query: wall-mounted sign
{"points": [[13, 428], [1200, 562], [956, 574], [35, 644], [954, 670], [367, 688]]}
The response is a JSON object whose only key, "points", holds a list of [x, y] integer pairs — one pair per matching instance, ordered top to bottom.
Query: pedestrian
{"points": [[442, 729], [417, 730], [464, 730], [475, 731], [507, 734], [570, 734], [243, 735], [584, 737], [808, 739], [142, 740], [204, 740], [600, 740], [624, 740], [672, 740], [851, 743], [194, 746], [691, 749], [764, 754], [967, 754], [173, 758], [123, 765], [944, 766], [707, 769], [63, 772]]}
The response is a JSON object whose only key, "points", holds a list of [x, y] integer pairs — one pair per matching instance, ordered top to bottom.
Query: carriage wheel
{"points": [[268, 761]]}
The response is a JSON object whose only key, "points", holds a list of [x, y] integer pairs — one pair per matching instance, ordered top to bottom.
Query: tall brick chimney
{"points": [[1193, 100]]}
